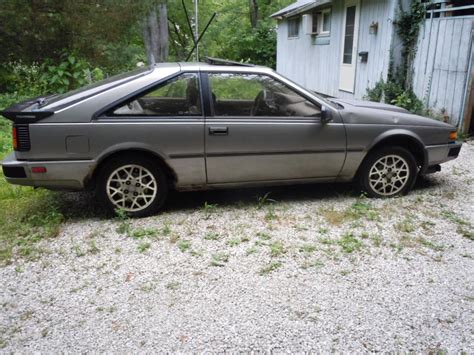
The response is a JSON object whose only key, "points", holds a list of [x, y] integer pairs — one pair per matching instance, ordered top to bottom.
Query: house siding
{"points": [[442, 64], [317, 67]]}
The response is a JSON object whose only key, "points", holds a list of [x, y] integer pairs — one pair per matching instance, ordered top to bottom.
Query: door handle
{"points": [[218, 131]]}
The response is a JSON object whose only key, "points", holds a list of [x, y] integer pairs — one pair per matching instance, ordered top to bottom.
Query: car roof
{"points": [[200, 66]]}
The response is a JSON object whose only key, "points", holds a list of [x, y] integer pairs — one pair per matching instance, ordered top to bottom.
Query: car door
{"points": [[261, 129]]}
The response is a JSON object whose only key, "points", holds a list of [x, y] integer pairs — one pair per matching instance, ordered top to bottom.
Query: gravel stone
{"points": [[317, 269]]}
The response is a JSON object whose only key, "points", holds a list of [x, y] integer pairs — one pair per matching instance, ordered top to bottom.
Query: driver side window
{"points": [[255, 95]]}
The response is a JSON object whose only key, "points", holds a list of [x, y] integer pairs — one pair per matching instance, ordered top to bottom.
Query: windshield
{"points": [[91, 89]]}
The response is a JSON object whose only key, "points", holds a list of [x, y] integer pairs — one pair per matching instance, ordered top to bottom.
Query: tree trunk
{"points": [[253, 7], [155, 32]]}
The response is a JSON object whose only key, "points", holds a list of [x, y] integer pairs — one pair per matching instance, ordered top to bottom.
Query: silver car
{"points": [[193, 126]]}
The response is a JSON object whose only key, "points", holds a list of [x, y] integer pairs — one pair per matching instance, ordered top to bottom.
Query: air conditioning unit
{"points": [[308, 24]]}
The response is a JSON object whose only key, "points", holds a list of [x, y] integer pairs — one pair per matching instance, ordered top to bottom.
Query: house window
{"points": [[322, 22], [293, 27]]}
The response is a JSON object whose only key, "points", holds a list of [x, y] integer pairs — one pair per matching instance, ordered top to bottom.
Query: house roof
{"points": [[299, 7]]}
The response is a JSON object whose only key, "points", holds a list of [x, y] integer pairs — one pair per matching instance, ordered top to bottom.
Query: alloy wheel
{"points": [[389, 175], [131, 188]]}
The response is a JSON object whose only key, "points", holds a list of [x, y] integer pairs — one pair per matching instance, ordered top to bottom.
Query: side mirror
{"points": [[326, 115]]}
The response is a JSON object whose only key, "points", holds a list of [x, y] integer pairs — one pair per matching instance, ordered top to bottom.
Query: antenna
{"points": [[196, 28]]}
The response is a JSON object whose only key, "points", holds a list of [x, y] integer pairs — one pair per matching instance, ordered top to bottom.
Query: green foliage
{"points": [[408, 26], [69, 74], [393, 93], [409, 101]]}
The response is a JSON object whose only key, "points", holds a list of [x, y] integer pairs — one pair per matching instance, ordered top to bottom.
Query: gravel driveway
{"points": [[310, 267]]}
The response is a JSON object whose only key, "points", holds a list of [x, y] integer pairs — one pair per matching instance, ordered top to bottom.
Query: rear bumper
{"points": [[438, 154], [59, 175]]}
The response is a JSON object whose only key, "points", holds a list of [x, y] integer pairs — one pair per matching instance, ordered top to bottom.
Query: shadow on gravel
{"points": [[82, 205]]}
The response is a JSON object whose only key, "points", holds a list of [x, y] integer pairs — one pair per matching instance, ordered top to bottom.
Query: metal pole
{"points": [[196, 29]]}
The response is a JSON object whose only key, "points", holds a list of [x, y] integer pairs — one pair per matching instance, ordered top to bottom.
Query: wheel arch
{"points": [[400, 138], [131, 151]]}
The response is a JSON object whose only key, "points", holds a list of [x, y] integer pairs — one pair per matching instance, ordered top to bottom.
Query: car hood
{"points": [[370, 104], [366, 112]]}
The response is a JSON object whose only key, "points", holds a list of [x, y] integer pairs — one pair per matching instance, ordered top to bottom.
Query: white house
{"points": [[343, 47]]}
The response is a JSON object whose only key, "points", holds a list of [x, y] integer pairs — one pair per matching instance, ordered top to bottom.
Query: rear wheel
{"points": [[388, 172], [135, 185]]}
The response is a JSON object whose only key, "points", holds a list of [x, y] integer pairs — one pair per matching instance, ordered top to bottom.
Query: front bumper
{"points": [[437, 154], [59, 175]]}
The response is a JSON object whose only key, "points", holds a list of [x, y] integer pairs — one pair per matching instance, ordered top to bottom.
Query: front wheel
{"points": [[388, 172], [134, 185]]}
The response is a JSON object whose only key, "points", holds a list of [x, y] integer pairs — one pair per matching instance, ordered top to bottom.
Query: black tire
{"points": [[388, 182], [133, 187]]}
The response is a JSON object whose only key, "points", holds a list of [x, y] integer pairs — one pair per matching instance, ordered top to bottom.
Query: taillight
{"points": [[21, 137], [15, 138]]}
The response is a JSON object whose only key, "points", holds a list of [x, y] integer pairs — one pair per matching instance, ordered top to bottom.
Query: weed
{"points": [[263, 200], [209, 208], [362, 208], [271, 214], [451, 216], [124, 222], [405, 226], [166, 230], [323, 230], [465, 232], [142, 233], [364, 235], [211, 236], [264, 236], [174, 238], [377, 240], [327, 241], [234, 242], [349, 243], [184, 245], [431, 245], [142, 247], [398, 247], [277, 248], [308, 248], [93, 249], [252, 250], [78, 251], [195, 253], [219, 259], [310, 264], [274, 265], [174, 285], [148, 287]]}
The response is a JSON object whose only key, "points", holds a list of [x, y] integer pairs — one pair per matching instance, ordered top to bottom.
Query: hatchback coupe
{"points": [[220, 124]]}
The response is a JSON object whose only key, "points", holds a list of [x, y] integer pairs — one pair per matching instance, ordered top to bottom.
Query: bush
{"points": [[70, 74], [19, 79], [393, 93]]}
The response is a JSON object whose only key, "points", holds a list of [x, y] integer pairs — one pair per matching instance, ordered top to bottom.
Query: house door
{"points": [[349, 45]]}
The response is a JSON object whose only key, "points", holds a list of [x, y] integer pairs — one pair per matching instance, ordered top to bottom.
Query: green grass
{"points": [[349, 243], [184, 245], [277, 248], [219, 259], [267, 269]]}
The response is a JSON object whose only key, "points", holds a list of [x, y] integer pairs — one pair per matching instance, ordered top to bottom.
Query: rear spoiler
{"points": [[18, 113]]}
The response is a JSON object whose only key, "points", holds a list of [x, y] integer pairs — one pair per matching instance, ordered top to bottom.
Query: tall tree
{"points": [[253, 7], [155, 32]]}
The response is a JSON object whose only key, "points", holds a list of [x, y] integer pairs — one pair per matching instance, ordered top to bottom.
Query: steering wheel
{"points": [[259, 104]]}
